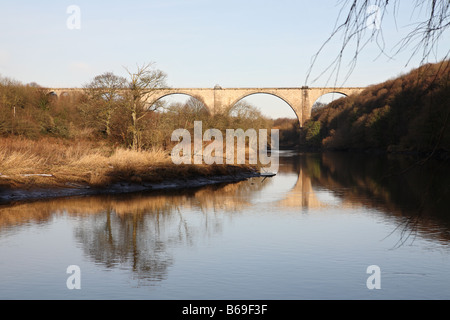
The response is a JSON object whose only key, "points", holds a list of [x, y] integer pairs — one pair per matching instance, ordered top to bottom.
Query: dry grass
{"points": [[59, 163]]}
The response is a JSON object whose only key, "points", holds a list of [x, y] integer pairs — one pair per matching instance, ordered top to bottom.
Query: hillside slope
{"points": [[409, 113]]}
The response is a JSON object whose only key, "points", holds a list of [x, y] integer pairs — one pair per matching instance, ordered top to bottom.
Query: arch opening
{"points": [[52, 96], [326, 99], [179, 103], [271, 105], [275, 110]]}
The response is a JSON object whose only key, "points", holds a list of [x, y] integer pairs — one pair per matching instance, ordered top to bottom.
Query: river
{"points": [[328, 226]]}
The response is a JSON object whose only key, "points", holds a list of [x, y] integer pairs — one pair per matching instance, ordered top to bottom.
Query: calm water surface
{"points": [[311, 232]]}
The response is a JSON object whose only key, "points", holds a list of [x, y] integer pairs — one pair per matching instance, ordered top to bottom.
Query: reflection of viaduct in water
{"points": [[302, 195]]}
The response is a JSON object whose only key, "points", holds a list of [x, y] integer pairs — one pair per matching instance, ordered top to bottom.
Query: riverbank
{"points": [[32, 170], [42, 192]]}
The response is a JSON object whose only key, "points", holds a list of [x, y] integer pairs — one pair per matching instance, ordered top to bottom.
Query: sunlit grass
{"points": [[54, 162]]}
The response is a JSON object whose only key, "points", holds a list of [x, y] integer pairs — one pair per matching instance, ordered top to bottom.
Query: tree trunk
{"points": [[134, 145]]}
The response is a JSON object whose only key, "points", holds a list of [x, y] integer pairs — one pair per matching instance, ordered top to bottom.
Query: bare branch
{"points": [[362, 25]]}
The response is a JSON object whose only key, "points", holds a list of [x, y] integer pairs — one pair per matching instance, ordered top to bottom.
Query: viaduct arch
{"points": [[217, 99]]}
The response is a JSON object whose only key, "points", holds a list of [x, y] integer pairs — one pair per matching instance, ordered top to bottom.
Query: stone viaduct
{"points": [[217, 99]]}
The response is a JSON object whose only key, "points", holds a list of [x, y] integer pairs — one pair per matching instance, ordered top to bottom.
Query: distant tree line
{"points": [[113, 109]]}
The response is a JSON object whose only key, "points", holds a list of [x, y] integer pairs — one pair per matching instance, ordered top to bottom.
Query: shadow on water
{"points": [[415, 195], [138, 230]]}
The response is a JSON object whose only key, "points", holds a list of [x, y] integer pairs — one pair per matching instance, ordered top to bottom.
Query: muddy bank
{"points": [[8, 196]]}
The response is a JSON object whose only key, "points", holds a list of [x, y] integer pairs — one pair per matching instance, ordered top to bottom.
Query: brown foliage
{"points": [[408, 113]]}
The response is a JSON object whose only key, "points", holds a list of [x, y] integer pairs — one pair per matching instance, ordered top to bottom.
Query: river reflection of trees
{"points": [[417, 196], [137, 231]]}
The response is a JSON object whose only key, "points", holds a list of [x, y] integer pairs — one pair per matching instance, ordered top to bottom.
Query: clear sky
{"points": [[198, 43]]}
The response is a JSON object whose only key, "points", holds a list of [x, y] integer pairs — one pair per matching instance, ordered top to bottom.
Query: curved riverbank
{"points": [[48, 168], [42, 192]]}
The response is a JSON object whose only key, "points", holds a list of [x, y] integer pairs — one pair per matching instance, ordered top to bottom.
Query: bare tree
{"points": [[360, 22], [140, 94], [104, 96], [196, 106]]}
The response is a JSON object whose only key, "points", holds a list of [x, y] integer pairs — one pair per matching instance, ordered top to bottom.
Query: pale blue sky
{"points": [[198, 43]]}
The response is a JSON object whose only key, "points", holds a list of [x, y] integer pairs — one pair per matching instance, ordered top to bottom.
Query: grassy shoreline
{"points": [[59, 164]]}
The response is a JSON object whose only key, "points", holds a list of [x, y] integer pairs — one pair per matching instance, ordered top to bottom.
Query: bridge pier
{"points": [[306, 106]]}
